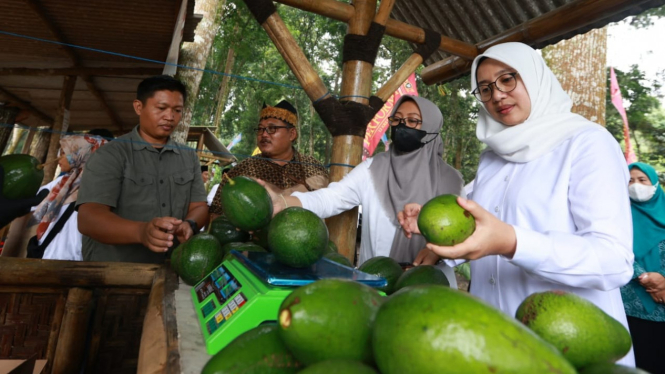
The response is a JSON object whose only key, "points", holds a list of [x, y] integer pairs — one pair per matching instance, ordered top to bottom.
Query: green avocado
{"points": [[23, 176], [246, 203], [443, 222], [225, 232], [297, 237], [260, 238], [332, 247], [196, 257], [338, 258], [383, 267], [423, 274], [329, 319], [436, 329], [583, 332], [257, 351], [339, 367], [610, 368]]}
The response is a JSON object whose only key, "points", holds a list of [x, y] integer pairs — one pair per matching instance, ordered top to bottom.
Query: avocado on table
{"points": [[435, 329], [583, 332]]}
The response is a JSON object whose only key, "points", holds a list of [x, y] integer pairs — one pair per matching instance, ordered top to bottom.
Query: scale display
{"points": [[247, 289]]}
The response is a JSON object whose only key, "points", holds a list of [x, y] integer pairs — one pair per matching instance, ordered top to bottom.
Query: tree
{"points": [[195, 54], [579, 64], [646, 118]]}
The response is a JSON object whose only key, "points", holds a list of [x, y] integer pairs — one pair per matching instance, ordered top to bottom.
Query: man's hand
{"points": [[14, 208], [408, 219], [184, 231], [157, 235], [492, 236], [426, 257], [652, 282]]}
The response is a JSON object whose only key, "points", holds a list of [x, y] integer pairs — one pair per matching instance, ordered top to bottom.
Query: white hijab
{"points": [[550, 122]]}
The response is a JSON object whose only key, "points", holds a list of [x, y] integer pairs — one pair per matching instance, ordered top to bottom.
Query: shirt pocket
{"points": [[181, 191], [138, 199]]}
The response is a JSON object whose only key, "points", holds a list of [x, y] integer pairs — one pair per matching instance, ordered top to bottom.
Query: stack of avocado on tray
{"points": [[296, 236], [341, 326], [420, 326]]}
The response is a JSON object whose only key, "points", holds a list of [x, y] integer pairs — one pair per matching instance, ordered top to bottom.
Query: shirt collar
{"points": [[138, 143]]}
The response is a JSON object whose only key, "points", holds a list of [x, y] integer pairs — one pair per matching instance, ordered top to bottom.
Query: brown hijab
{"points": [[414, 177]]}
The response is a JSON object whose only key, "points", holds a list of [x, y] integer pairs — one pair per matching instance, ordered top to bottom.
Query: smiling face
{"points": [[509, 108], [159, 115], [277, 145], [638, 176]]}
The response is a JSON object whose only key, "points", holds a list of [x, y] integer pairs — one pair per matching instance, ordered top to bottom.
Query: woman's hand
{"points": [[276, 195], [408, 219], [491, 237], [426, 257], [652, 282], [658, 296]]}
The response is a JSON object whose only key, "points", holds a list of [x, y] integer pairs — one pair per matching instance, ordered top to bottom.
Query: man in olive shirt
{"points": [[143, 193]]}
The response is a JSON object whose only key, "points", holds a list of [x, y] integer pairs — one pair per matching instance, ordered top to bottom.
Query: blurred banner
{"points": [[617, 100]]}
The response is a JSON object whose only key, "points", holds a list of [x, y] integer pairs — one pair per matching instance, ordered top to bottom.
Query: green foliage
{"points": [[646, 19], [646, 118]]}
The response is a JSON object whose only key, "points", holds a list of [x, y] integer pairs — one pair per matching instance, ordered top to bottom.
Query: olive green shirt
{"points": [[139, 183]]}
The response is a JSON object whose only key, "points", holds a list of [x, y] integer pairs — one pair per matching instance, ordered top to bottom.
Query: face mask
{"points": [[406, 139], [640, 192]]}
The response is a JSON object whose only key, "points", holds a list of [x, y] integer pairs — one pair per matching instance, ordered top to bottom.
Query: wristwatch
{"points": [[192, 223]]}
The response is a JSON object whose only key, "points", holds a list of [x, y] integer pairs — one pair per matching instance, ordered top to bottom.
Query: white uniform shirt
{"points": [[211, 195], [571, 214], [378, 229], [67, 243]]}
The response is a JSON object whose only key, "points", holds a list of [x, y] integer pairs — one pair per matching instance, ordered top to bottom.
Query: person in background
{"points": [[279, 163], [412, 170], [205, 173], [143, 193], [549, 199], [59, 205], [644, 296]]}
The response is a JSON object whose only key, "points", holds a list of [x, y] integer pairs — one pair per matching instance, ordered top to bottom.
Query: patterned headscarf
{"points": [[77, 149]]}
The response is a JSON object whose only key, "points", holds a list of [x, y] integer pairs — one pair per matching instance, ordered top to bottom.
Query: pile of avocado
{"points": [[341, 326]]}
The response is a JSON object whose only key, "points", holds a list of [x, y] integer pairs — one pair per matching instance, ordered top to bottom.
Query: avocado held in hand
{"points": [[443, 222]]}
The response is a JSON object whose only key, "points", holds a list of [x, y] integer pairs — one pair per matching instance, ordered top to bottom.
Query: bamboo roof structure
{"points": [[468, 27], [32, 70]]}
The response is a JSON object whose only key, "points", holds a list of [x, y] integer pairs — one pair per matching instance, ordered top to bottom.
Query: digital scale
{"points": [[247, 289]]}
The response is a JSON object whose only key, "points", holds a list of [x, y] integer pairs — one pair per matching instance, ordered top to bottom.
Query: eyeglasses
{"points": [[504, 83], [408, 122], [270, 129]]}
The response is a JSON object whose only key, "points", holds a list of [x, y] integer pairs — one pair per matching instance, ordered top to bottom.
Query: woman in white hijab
{"points": [[413, 170], [550, 199]]}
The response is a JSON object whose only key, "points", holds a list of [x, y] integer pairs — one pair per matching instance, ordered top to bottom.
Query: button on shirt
{"points": [[139, 183], [571, 215]]}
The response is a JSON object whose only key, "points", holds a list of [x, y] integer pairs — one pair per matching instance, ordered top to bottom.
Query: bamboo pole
{"points": [[344, 12], [565, 19], [288, 47], [409, 66], [60, 125], [347, 149], [46, 273], [56, 324], [71, 341]]}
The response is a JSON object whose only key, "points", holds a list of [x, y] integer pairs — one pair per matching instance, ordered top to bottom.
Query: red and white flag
{"points": [[617, 100], [379, 124]]}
